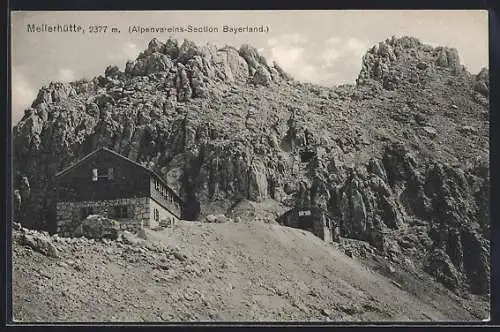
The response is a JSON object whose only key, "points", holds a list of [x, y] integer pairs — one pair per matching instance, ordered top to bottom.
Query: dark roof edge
{"points": [[67, 169]]}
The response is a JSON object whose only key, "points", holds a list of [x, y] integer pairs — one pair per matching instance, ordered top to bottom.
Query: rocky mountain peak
{"points": [[406, 60], [197, 67], [391, 158]]}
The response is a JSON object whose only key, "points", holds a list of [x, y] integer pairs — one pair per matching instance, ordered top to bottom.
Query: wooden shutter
{"points": [[110, 173]]}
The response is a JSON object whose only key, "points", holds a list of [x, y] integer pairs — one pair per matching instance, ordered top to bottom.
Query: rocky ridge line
{"points": [[387, 157]]}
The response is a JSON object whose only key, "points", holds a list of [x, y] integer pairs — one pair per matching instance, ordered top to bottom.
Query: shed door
{"points": [[306, 223]]}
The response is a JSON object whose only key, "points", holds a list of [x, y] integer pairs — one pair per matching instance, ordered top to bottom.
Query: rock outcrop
{"points": [[398, 61], [223, 126], [37, 241]]}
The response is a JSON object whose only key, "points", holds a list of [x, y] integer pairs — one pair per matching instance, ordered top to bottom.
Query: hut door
{"points": [[306, 223]]}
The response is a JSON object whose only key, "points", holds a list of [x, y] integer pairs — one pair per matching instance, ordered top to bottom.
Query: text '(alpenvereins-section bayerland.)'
{"points": [[198, 29]]}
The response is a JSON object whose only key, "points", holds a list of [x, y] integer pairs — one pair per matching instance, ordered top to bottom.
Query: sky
{"points": [[322, 47]]}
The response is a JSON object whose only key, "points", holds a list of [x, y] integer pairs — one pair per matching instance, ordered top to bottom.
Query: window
{"points": [[110, 173], [86, 211], [121, 211], [304, 213], [156, 215]]}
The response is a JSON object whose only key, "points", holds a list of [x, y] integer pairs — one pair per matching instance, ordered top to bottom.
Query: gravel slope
{"points": [[221, 272]]}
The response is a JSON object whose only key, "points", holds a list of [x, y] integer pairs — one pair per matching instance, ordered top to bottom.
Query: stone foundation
{"points": [[140, 213], [69, 214]]}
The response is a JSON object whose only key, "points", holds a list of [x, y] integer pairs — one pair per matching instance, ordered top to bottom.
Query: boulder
{"points": [[422, 65], [261, 77], [430, 131], [219, 219], [99, 227], [141, 233], [127, 237], [39, 242]]}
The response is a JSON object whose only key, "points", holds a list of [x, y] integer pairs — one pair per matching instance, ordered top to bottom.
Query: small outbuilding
{"points": [[313, 219]]}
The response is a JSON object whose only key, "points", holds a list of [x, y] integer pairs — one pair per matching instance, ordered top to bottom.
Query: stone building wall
{"points": [[165, 196], [69, 214], [165, 217], [321, 224]]}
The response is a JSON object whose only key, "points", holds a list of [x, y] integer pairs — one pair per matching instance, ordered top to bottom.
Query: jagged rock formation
{"points": [[394, 61], [387, 157]]}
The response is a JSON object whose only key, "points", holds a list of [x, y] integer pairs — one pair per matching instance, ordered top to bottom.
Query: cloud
{"points": [[288, 38], [333, 41], [355, 49], [131, 50], [128, 51], [289, 52], [347, 52], [330, 55], [287, 56], [340, 60], [332, 61], [66, 75], [23, 94]]}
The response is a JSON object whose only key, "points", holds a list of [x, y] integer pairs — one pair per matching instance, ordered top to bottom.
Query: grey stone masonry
{"points": [[135, 212]]}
